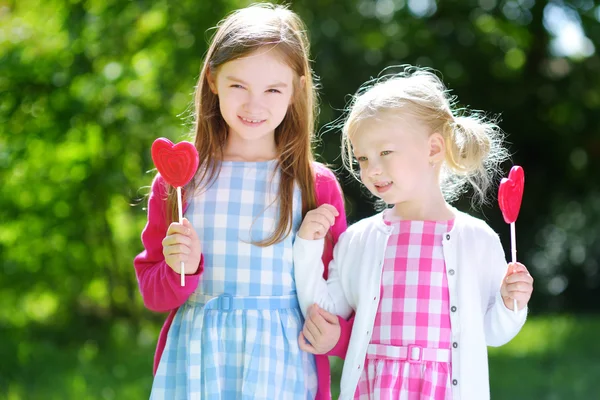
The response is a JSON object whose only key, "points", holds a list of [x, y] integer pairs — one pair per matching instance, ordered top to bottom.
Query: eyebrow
{"points": [[274, 85]]}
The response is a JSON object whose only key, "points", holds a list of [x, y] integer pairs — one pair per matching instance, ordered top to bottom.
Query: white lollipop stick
{"points": [[180, 210], [513, 251]]}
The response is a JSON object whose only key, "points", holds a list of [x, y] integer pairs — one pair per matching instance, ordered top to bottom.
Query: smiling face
{"points": [[254, 93], [394, 155]]}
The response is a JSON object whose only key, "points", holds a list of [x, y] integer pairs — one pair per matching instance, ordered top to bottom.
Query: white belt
{"points": [[410, 353]]}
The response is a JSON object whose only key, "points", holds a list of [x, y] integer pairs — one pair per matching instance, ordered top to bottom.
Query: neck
{"points": [[239, 149], [433, 208]]}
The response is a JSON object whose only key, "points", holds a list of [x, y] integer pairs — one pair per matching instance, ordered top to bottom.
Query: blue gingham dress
{"points": [[237, 335]]}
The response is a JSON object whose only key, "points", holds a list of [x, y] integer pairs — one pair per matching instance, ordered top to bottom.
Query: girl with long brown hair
{"points": [[233, 328]]}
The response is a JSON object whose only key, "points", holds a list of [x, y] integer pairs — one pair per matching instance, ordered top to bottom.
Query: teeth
{"points": [[254, 121], [381, 184]]}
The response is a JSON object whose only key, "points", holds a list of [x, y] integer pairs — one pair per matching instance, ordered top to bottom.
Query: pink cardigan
{"points": [[160, 285]]}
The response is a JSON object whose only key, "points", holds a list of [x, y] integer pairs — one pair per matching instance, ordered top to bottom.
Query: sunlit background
{"points": [[86, 86]]}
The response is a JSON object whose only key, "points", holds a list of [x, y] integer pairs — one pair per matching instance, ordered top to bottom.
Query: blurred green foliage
{"points": [[86, 86]]}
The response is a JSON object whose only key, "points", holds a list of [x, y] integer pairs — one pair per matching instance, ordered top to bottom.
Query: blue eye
{"points": [[236, 86]]}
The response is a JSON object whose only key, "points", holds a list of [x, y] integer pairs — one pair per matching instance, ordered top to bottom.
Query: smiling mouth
{"points": [[251, 122], [382, 187]]}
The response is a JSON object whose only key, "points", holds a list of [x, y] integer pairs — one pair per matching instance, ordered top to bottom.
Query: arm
{"points": [[329, 191], [336, 199], [313, 255], [159, 284], [311, 286], [501, 324]]}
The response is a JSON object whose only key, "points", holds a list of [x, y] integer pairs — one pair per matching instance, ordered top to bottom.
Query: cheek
{"points": [[232, 98], [224, 101], [281, 103], [278, 108], [363, 178]]}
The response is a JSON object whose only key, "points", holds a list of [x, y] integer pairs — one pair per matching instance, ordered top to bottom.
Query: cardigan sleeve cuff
{"points": [[518, 318], [341, 347]]}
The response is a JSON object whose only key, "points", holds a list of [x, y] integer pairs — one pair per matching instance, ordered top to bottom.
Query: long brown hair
{"points": [[239, 34]]}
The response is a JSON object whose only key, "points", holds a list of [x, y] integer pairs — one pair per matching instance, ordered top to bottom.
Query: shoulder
{"points": [[323, 174], [159, 186], [327, 187], [365, 226], [476, 227]]}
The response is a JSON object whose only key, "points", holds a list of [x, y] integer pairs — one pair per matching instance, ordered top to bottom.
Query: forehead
{"points": [[262, 66], [387, 128]]}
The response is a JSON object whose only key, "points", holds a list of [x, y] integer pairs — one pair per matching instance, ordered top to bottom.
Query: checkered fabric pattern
{"points": [[413, 310], [236, 337]]}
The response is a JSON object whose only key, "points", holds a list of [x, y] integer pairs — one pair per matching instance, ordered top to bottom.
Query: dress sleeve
{"points": [[159, 285]]}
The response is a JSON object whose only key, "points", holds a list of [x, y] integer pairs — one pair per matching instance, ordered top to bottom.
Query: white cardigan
{"points": [[475, 267]]}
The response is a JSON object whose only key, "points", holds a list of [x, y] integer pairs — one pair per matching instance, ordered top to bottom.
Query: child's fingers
{"points": [[329, 208], [327, 213], [322, 219], [316, 226], [176, 227], [191, 232], [176, 238], [177, 249], [176, 257], [516, 267], [519, 277], [520, 286], [520, 290], [520, 296], [313, 311], [327, 316], [319, 322], [312, 328], [308, 334], [304, 346]]}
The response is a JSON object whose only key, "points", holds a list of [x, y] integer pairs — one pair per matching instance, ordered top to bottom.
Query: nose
{"points": [[253, 103], [373, 167]]}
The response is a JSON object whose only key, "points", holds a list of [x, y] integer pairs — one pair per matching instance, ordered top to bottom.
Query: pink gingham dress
{"points": [[413, 311]]}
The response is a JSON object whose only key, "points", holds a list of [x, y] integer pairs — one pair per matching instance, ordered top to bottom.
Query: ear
{"points": [[210, 78], [437, 148]]}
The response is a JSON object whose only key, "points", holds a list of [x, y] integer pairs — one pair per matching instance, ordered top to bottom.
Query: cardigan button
{"points": [[447, 236], [451, 272], [453, 308], [455, 345], [454, 382]]}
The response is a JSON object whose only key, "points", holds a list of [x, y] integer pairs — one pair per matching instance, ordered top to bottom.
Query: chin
{"points": [[252, 134], [392, 200]]}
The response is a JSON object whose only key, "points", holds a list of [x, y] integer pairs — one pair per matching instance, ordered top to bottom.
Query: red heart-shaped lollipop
{"points": [[176, 163], [510, 194]]}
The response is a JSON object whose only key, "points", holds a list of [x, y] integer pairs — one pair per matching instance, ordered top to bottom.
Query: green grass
{"points": [[552, 358], [91, 362]]}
